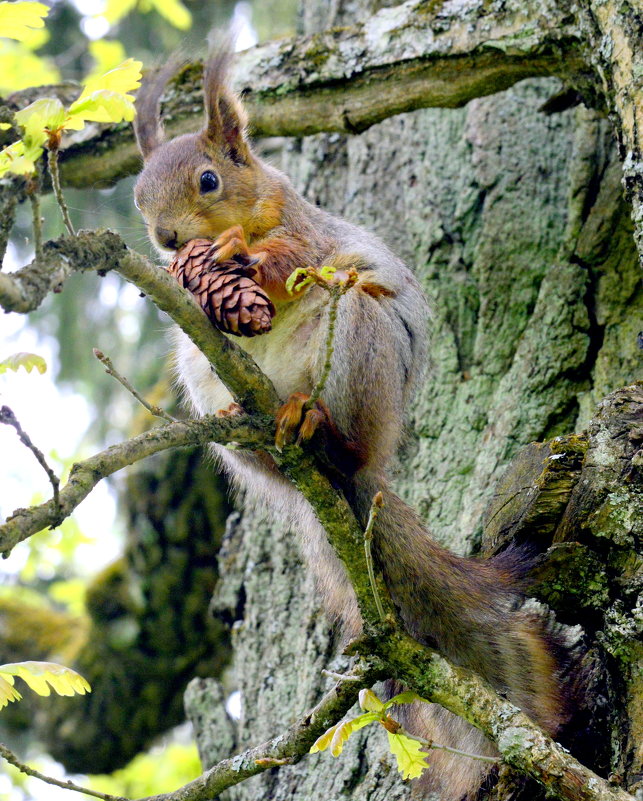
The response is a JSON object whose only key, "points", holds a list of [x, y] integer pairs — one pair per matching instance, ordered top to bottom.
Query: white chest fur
{"points": [[288, 355]]}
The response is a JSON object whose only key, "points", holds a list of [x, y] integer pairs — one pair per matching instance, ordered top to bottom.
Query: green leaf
{"points": [[16, 19], [20, 68], [105, 98], [46, 114], [327, 272], [297, 280], [23, 359], [40, 676], [7, 692], [407, 697], [370, 702], [337, 735], [322, 743], [411, 760]]}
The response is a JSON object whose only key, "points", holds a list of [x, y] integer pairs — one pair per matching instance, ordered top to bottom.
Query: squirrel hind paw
{"points": [[296, 423]]}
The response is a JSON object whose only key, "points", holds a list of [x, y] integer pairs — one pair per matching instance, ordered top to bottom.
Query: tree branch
{"points": [[612, 35], [416, 55], [25, 289], [85, 475], [519, 741], [286, 749], [12, 759]]}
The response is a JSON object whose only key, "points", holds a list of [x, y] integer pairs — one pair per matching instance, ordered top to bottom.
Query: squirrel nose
{"points": [[168, 239]]}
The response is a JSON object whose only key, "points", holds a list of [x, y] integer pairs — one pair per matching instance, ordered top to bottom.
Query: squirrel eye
{"points": [[209, 182]]}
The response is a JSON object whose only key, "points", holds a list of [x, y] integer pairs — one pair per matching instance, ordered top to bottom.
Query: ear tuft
{"points": [[225, 117], [147, 123]]}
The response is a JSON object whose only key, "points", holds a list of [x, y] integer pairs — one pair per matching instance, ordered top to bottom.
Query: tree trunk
{"points": [[514, 222]]}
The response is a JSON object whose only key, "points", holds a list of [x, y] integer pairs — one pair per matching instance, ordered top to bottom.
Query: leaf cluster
{"points": [[103, 99], [41, 677], [410, 754]]}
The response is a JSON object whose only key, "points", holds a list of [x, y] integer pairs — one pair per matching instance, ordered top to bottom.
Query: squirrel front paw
{"points": [[232, 242], [296, 423]]}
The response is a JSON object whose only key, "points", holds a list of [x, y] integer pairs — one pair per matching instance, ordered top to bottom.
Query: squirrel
{"points": [[212, 185]]}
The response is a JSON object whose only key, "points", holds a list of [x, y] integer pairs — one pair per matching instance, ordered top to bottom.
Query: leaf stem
{"points": [[52, 163], [376, 505], [438, 747]]}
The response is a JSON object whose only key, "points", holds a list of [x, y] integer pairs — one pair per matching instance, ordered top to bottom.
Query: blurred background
{"points": [[75, 409]]}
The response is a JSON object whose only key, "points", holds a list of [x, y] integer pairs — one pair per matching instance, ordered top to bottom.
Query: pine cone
{"points": [[226, 291]]}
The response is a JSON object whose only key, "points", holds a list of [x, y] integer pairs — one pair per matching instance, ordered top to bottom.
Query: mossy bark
{"points": [[515, 224]]}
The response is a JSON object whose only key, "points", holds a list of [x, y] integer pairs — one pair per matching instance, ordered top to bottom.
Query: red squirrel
{"points": [[211, 184]]}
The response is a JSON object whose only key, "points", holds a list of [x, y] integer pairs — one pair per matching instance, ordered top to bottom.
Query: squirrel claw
{"points": [[232, 242], [233, 410], [312, 420], [295, 422]]}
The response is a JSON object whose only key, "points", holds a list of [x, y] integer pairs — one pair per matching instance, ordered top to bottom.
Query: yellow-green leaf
{"points": [[117, 9], [174, 12], [16, 19], [107, 54], [20, 68], [122, 79], [101, 106], [46, 114], [15, 159], [297, 280], [23, 359], [41, 676], [7, 691], [369, 701], [342, 732], [337, 735], [322, 743], [411, 760]]}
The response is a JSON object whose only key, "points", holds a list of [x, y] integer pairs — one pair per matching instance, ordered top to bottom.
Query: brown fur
{"points": [[470, 610]]}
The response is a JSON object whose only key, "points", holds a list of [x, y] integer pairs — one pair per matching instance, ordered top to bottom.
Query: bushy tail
{"points": [[472, 611]]}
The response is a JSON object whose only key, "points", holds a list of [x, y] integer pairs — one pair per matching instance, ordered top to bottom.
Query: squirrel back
{"points": [[211, 184]]}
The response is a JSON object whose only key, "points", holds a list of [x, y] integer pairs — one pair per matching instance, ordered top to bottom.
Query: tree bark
{"points": [[515, 224]]}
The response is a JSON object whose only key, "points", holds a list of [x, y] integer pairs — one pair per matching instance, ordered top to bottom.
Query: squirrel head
{"points": [[196, 185]]}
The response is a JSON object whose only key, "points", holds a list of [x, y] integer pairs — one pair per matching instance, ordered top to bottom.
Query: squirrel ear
{"points": [[226, 119], [147, 123]]}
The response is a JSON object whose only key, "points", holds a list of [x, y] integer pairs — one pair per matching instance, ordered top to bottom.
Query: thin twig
{"points": [[52, 163], [33, 193], [335, 295], [111, 370], [8, 418], [86, 474], [376, 505], [339, 676], [12, 759]]}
